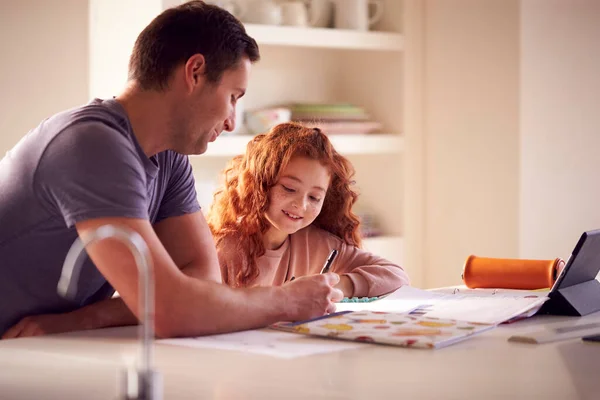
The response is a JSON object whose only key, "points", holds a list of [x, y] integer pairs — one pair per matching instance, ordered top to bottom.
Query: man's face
{"points": [[209, 109]]}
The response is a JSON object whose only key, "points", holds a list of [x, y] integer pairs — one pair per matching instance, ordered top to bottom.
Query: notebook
{"points": [[397, 329]]}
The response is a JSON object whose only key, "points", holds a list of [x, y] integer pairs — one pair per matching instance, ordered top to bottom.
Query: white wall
{"points": [[44, 64], [511, 117], [560, 124], [511, 125], [471, 128]]}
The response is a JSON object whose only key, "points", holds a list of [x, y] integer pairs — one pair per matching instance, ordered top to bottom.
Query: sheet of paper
{"points": [[491, 292], [407, 293], [485, 306], [479, 309], [268, 342]]}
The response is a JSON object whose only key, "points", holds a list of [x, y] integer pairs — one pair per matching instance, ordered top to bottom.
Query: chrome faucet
{"points": [[142, 383]]}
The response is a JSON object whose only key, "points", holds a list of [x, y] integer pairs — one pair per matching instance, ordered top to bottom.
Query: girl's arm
{"points": [[369, 274]]}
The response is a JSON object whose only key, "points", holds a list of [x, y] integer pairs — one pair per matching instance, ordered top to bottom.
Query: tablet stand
{"points": [[577, 292]]}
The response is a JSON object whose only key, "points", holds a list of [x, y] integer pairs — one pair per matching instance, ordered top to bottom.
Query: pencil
{"points": [[329, 261]]}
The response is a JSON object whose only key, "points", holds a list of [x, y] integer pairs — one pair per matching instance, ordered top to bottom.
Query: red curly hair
{"points": [[238, 211]]}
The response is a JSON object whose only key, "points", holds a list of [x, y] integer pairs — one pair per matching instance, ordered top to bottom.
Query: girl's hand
{"points": [[346, 286]]}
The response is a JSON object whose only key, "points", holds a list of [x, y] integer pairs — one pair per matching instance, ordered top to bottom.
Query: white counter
{"points": [[86, 365]]}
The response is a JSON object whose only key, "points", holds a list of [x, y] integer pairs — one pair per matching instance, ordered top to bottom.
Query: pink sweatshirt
{"points": [[305, 252]]}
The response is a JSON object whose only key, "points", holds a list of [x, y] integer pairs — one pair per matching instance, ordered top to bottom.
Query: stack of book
{"points": [[334, 118]]}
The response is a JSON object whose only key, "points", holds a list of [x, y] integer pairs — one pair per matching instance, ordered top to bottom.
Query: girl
{"points": [[285, 205]]}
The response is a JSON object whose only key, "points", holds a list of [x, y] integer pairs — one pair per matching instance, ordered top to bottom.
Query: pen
{"points": [[329, 261]]}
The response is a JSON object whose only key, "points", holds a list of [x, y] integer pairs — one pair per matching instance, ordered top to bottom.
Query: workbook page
{"points": [[485, 306]]}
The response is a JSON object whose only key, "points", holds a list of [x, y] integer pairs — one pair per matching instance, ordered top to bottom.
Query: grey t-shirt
{"points": [[80, 164]]}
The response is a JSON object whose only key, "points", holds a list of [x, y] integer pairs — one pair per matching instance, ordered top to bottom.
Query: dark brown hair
{"points": [[180, 32], [237, 215]]}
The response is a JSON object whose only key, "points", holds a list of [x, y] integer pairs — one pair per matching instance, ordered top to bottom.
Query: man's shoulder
{"points": [[107, 113], [97, 127], [70, 129], [47, 138], [91, 139]]}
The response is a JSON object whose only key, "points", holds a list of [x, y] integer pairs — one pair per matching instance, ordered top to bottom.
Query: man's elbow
{"points": [[172, 324], [166, 327], [170, 327]]}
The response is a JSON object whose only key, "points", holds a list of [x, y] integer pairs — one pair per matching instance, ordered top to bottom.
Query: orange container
{"points": [[506, 273]]}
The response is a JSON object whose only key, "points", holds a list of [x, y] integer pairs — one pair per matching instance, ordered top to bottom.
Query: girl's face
{"points": [[297, 198]]}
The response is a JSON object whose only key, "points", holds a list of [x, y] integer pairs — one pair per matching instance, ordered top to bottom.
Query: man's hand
{"points": [[312, 296], [103, 314], [46, 324]]}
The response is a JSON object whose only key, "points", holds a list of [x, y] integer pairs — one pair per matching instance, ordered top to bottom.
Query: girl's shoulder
{"points": [[227, 243], [227, 249]]}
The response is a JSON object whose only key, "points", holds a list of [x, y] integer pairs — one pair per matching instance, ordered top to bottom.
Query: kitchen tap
{"points": [[142, 383]]}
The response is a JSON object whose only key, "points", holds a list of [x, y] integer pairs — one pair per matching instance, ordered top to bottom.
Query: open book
{"points": [[490, 306], [397, 329]]}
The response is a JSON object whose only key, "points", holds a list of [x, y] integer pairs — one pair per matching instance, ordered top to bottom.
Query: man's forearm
{"points": [[206, 307], [203, 308], [114, 312], [104, 314]]}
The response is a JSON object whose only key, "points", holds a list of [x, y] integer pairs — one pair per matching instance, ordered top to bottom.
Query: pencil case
{"points": [[507, 273], [358, 299]]}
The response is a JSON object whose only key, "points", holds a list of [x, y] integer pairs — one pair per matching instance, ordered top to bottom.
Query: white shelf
{"points": [[325, 38], [381, 143]]}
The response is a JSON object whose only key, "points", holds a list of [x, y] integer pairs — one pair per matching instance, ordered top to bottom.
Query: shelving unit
{"points": [[324, 38], [297, 65], [352, 144], [388, 247]]}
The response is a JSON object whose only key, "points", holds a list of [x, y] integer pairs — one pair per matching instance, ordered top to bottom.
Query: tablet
{"points": [[583, 264], [576, 290]]}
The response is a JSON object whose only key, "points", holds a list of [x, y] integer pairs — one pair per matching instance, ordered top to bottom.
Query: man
{"points": [[123, 161]]}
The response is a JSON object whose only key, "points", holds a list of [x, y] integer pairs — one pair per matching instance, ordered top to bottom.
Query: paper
{"points": [[491, 292], [403, 300], [389, 305], [476, 305], [483, 305], [480, 309], [557, 333], [267, 342]]}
